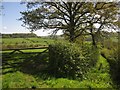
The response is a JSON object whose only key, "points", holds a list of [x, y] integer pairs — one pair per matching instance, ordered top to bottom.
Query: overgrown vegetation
{"points": [[111, 53], [88, 59], [70, 60], [48, 70], [30, 71]]}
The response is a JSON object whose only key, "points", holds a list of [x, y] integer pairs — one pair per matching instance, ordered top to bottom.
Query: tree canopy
{"points": [[74, 18]]}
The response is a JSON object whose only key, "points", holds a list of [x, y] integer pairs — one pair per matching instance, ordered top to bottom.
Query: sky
{"points": [[10, 22]]}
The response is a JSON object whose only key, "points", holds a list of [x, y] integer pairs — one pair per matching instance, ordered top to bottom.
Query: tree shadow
{"points": [[31, 63], [114, 71]]}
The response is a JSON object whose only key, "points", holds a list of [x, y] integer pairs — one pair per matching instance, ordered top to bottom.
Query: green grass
{"points": [[26, 40], [10, 43], [26, 51], [105, 65], [19, 69], [28, 70], [22, 71], [99, 77], [18, 80], [0, 81]]}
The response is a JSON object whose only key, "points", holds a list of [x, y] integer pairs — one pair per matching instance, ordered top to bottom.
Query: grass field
{"points": [[42, 41], [25, 42], [10, 43], [29, 70]]}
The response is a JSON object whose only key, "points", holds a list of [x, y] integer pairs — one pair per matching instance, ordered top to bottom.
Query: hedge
{"points": [[69, 60]]}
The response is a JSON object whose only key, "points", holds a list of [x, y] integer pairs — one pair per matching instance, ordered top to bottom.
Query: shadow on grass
{"points": [[30, 63], [114, 71]]}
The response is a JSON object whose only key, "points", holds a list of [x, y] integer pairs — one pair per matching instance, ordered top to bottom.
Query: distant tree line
{"points": [[19, 35]]}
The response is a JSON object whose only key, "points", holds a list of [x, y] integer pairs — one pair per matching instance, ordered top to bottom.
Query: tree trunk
{"points": [[72, 29], [72, 35], [93, 36], [93, 40]]}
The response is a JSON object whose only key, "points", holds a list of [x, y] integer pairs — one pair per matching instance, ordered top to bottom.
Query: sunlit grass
{"points": [[13, 41], [18, 71], [18, 79]]}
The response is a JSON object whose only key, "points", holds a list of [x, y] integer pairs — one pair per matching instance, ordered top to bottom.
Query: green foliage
{"points": [[51, 16], [110, 43], [105, 52], [112, 56], [69, 60], [29, 74], [98, 76], [27, 77], [94, 78], [62, 83]]}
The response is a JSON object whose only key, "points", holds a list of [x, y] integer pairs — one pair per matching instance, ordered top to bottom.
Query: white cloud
{"points": [[4, 28], [43, 32]]}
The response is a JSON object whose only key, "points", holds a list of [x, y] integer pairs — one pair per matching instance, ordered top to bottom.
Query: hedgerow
{"points": [[69, 60]]}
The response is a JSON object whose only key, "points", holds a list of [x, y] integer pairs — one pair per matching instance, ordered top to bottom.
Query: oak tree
{"points": [[73, 18]]}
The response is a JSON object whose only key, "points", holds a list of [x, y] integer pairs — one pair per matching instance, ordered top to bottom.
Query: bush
{"points": [[69, 60]]}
